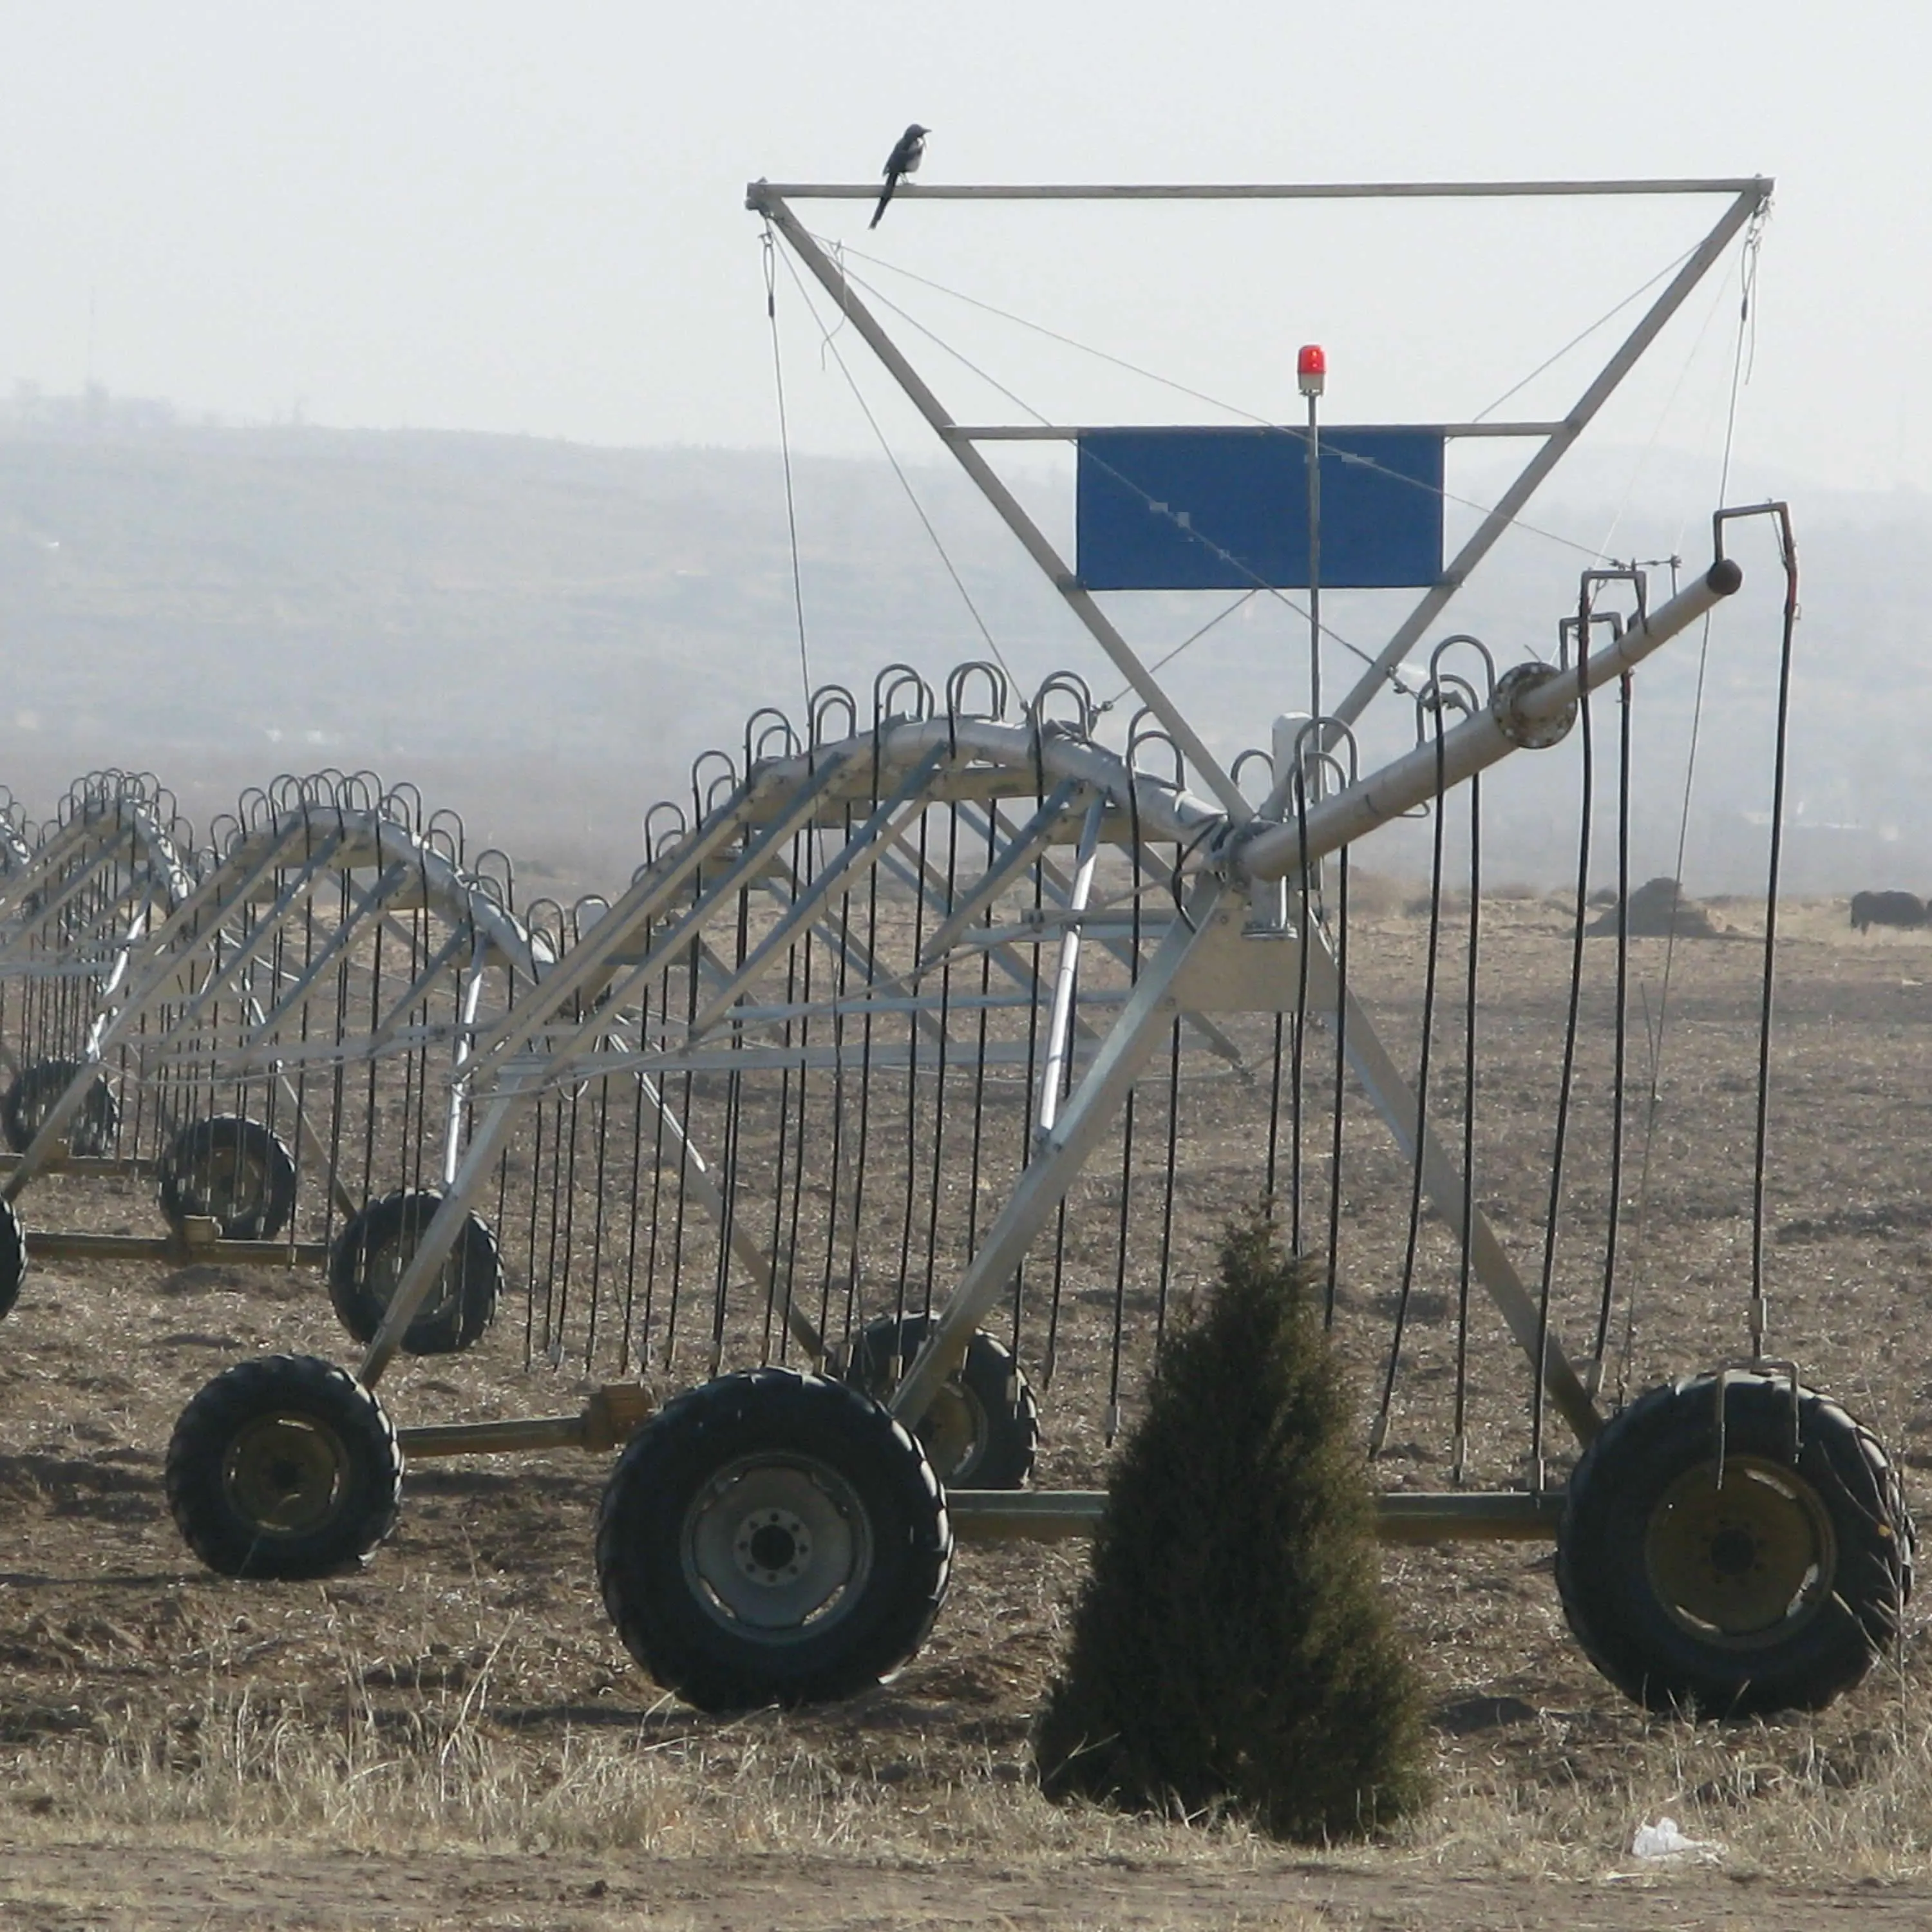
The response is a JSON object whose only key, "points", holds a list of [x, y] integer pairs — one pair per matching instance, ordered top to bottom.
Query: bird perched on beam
{"points": [[904, 160]]}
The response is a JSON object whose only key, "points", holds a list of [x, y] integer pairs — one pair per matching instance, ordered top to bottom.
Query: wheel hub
{"points": [[226, 1182], [285, 1474], [776, 1549], [1744, 1562]]}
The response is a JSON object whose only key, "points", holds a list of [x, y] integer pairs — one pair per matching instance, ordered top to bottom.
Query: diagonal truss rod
{"points": [[1749, 200], [1059, 573]]}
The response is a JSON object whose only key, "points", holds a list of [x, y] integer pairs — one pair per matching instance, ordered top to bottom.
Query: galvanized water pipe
{"points": [[1532, 705]]}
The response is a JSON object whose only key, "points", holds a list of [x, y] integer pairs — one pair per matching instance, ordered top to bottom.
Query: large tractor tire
{"points": [[233, 1170], [367, 1262], [982, 1428], [284, 1467], [773, 1538], [1771, 1581]]}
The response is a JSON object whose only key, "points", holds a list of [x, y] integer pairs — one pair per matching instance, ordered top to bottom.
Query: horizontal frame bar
{"points": [[758, 193], [1073, 432], [183, 1249], [1454, 1516]]}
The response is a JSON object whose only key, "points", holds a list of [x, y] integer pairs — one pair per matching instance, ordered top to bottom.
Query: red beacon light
{"points": [[1311, 369]]}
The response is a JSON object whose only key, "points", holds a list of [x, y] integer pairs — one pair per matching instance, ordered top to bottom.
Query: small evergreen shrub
{"points": [[1231, 1648]]}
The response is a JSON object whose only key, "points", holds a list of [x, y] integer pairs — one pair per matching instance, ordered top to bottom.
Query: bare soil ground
{"points": [[453, 1735]]}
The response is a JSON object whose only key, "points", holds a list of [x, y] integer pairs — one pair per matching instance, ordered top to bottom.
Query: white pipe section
{"points": [[1514, 717], [1060, 1026]]}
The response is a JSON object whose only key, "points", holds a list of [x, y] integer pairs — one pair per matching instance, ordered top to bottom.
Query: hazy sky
{"points": [[529, 218]]}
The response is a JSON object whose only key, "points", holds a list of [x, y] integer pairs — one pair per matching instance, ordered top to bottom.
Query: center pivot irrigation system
{"points": [[270, 1029], [905, 1077]]}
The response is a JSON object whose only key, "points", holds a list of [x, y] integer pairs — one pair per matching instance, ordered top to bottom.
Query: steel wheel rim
{"points": [[218, 1179], [389, 1263], [954, 1431], [286, 1474], [777, 1549], [1744, 1565]]}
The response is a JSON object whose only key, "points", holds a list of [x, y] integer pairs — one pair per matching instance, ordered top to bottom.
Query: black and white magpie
{"points": [[904, 160]]}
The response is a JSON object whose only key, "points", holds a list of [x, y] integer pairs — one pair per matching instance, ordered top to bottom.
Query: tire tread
{"points": [[668, 1458]]}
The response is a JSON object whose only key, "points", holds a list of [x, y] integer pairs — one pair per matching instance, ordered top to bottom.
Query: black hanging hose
{"points": [[1788, 554], [1620, 1043], [1341, 1082], [1566, 1083], [1297, 1092], [1378, 1430], [1458, 1455]]}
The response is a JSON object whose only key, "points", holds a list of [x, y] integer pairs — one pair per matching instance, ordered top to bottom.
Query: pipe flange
{"points": [[1533, 734]]}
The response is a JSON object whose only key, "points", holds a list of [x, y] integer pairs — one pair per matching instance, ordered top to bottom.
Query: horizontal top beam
{"points": [[758, 192], [1073, 432]]}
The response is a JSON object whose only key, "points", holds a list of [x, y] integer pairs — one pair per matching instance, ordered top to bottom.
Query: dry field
{"points": [[453, 1735]]}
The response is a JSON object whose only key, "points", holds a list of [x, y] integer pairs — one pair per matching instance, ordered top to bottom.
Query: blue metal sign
{"points": [[1227, 509]]}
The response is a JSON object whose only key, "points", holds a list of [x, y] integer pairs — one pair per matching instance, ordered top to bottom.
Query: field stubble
{"points": [[464, 1692]]}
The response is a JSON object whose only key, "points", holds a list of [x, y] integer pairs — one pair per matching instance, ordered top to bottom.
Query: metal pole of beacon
{"points": [[1311, 374]]}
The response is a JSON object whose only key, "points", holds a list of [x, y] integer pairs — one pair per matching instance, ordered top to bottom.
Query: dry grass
{"points": [[380, 1764], [1792, 1800]]}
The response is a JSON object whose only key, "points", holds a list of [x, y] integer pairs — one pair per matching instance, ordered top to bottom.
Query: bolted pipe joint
{"points": [[1533, 728]]}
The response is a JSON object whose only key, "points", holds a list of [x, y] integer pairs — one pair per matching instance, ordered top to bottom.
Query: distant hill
{"points": [[543, 635]]}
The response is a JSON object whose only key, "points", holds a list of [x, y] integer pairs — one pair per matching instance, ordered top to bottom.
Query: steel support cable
{"points": [[770, 247], [846, 252], [1584, 334], [831, 348], [1664, 412], [1259, 585], [1187, 643], [1393, 674], [1656, 1032], [1567, 1077], [1379, 1428]]}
